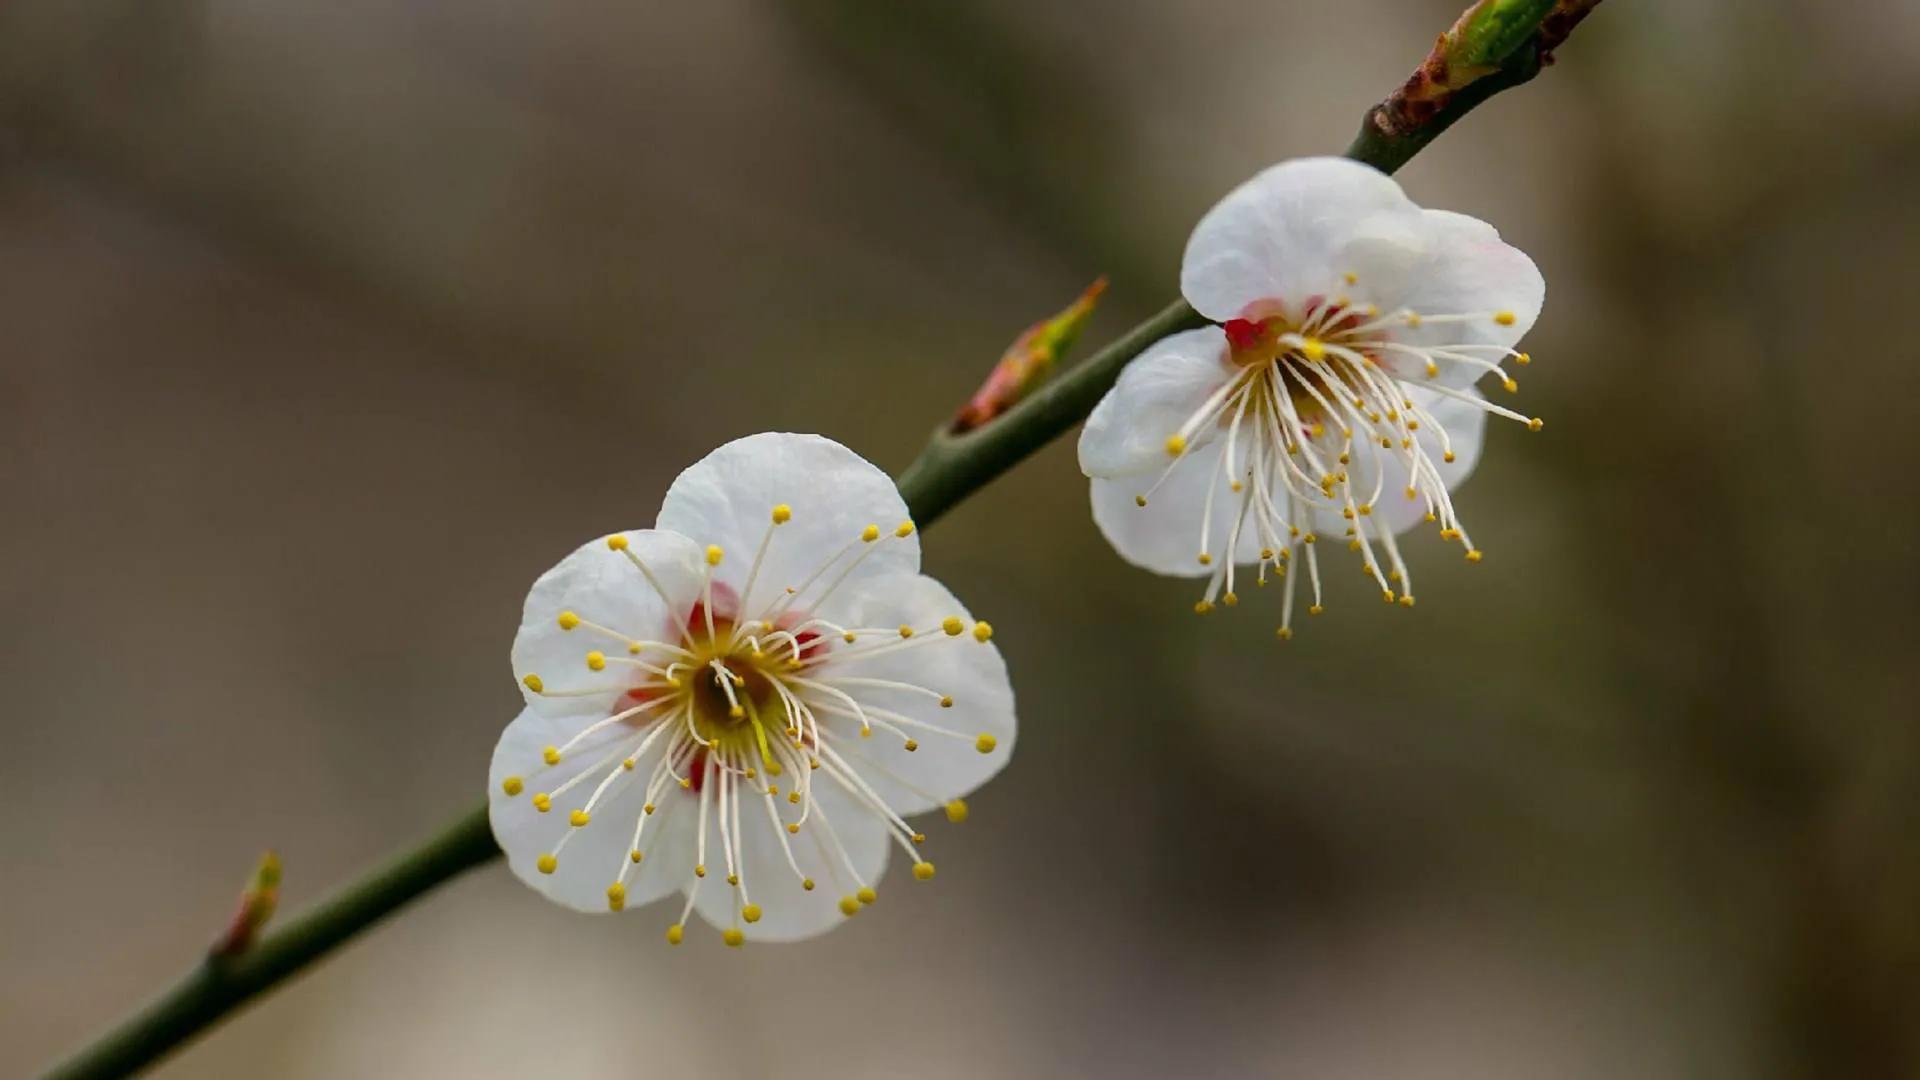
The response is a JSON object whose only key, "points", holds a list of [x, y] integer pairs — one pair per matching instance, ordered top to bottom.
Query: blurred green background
{"points": [[328, 326]]}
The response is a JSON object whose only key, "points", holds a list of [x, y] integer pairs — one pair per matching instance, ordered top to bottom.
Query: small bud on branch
{"points": [[1490, 37], [1028, 361], [257, 902]]}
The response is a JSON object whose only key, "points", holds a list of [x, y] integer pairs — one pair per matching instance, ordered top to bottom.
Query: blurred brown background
{"points": [[328, 326]]}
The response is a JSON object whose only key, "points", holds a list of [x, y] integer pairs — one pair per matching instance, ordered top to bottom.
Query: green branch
{"points": [[951, 468]]}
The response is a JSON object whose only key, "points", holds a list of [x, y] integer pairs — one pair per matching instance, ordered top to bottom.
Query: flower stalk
{"points": [[951, 467]]}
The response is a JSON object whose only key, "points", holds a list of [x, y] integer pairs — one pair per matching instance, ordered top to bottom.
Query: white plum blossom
{"points": [[1335, 397], [744, 703]]}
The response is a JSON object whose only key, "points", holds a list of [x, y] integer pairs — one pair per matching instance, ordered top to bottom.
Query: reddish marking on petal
{"points": [[1242, 333], [697, 770]]}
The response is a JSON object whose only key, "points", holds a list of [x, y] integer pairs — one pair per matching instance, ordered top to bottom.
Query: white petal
{"points": [[1281, 236], [1442, 263], [1159, 390], [1466, 428], [727, 498], [1164, 535], [602, 586], [960, 666], [594, 855], [790, 912]]}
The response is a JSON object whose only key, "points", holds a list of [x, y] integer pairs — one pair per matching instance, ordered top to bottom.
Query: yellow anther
{"points": [[1352, 278], [1413, 318], [1504, 318], [1313, 349], [1522, 359], [1433, 369], [1510, 386], [1536, 424], [1176, 445], [1447, 457], [1235, 487], [1139, 500], [1366, 509], [1347, 513], [782, 514], [903, 530], [870, 533], [1310, 539], [617, 542], [1354, 545], [1266, 553], [715, 554], [1475, 555], [1206, 559], [1387, 596], [1230, 599], [1407, 600], [1201, 607], [1316, 610], [568, 620], [953, 625], [905, 630], [982, 631], [1285, 633], [848, 637], [633, 649], [597, 660], [533, 683], [946, 701], [737, 712], [866, 731], [985, 743], [911, 746], [551, 755], [627, 764], [774, 768], [512, 785], [542, 801], [647, 809], [957, 811], [579, 818], [793, 827], [919, 838], [636, 855], [546, 864], [699, 870], [923, 871], [733, 879], [807, 884], [867, 895], [616, 896], [849, 906], [751, 913], [676, 934]]}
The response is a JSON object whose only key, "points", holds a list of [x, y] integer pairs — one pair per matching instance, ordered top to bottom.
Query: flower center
{"points": [[1318, 410]]}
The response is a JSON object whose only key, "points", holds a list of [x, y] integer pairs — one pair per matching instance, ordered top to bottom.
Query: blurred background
{"points": [[328, 326]]}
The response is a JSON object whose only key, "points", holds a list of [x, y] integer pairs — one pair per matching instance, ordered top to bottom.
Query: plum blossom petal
{"points": [[1157, 392]]}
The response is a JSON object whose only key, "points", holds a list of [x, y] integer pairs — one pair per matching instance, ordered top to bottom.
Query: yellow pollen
{"points": [[1352, 278], [1413, 318], [1504, 318], [1313, 349], [1522, 359], [1433, 369], [1510, 386], [1536, 424], [1176, 445], [1447, 457], [1139, 500], [1366, 509], [782, 514], [903, 530], [870, 533], [1310, 539], [617, 542], [714, 554], [1475, 555], [1206, 559], [1387, 596], [1230, 599], [1407, 600], [1201, 607], [1316, 610], [568, 620], [953, 625], [905, 630], [982, 631], [1284, 633], [848, 637], [634, 649], [597, 660], [533, 683], [946, 701], [738, 712], [985, 744], [911, 746], [551, 755], [627, 764], [774, 768], [512, 785], [793, 797], [542, 801], [647, 809], [957, 811], [579, 818], [793, 827], [636, 855], [546, 864], [699, 870], [923, 871], [733, 879], [807, 884], [867, 895], [616, 896], [849, 906], [751, 913], [676, 934]]}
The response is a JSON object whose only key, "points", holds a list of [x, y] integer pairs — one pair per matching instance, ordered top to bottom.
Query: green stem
{"points": [[951, 468]]}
